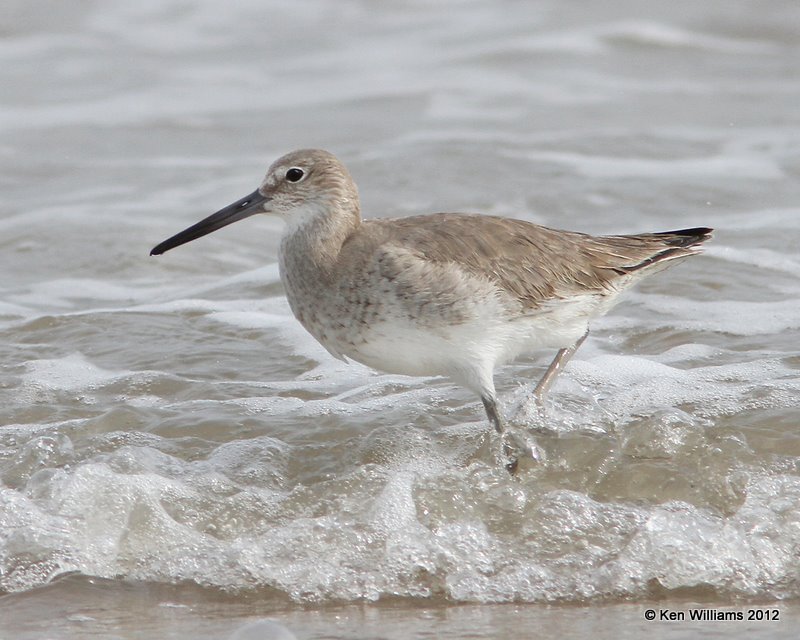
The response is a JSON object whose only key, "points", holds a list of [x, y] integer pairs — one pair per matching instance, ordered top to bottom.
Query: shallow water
{"points": [[170, 430]]}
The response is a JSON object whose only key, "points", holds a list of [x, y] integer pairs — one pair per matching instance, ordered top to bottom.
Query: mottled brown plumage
{"points": [[441, 294]]}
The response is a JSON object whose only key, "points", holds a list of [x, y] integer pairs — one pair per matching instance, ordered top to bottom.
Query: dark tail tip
{"points": [[686, 237]]}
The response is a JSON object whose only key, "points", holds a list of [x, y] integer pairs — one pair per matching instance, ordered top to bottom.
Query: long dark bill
{"points": [[239, 210]]}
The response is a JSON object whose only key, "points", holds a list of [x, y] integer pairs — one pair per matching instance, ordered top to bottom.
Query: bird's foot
{"points": [[520, 453]]}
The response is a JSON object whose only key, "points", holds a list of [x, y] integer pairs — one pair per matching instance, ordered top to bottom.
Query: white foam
{"points": [[734, 317], [70, 373], [257, 461], [393, 509], [151, 516], [682, 546]]}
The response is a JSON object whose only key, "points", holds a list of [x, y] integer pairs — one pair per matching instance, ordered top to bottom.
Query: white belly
{"points": [[469, 352]]}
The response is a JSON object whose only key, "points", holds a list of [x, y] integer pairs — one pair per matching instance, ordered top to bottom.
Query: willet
{"points": [[446, 294]]}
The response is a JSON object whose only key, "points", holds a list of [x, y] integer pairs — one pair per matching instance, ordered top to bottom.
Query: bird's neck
{"points": [[313, 239]]}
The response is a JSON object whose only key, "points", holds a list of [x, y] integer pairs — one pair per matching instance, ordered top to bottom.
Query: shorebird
{"points": [[448, 294]]}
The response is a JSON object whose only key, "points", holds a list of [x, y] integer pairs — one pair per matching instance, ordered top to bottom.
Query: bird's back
{"points": [[532, 263]]}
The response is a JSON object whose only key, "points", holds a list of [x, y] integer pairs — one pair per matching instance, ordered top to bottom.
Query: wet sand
{"points": [[80, 607]]}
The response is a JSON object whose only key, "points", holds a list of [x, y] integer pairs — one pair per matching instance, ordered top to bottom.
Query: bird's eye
{"points": [[294, 174]]}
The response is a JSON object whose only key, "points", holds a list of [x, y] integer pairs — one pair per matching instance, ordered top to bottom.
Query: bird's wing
{"points": [[535, 264]]}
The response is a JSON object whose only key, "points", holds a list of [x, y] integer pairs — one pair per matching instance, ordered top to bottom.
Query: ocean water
{"points": [[178, 458]]}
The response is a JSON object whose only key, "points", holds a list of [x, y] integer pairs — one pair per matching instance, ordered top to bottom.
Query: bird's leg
{"points": [[558, 363], [491, 412], [494, 420]]}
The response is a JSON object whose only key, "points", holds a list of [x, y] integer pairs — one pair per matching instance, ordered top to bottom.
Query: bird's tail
{"points": [[685, 237], [671, 245], [650, 251]]}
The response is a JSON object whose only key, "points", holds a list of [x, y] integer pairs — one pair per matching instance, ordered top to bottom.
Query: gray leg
{"points": [[561, 359], [491, 412], [494, 420]]}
